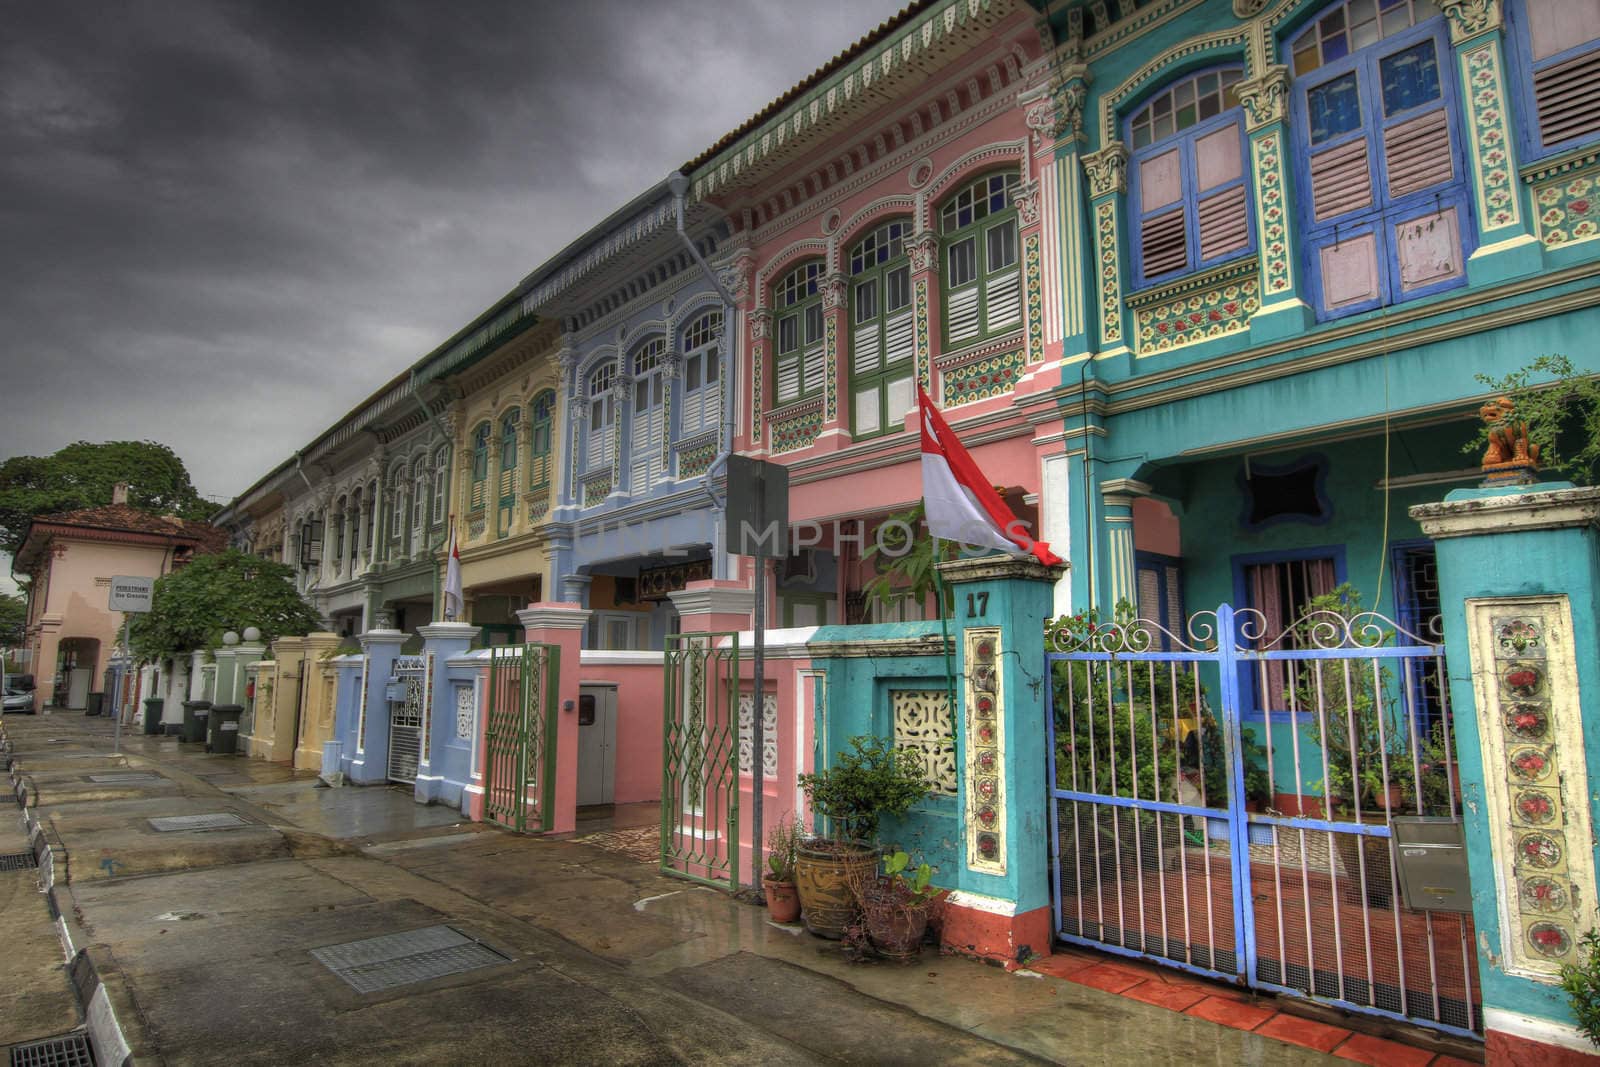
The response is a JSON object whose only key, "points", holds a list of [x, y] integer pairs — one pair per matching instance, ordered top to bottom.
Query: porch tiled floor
{"points": [[1230, 1007]]}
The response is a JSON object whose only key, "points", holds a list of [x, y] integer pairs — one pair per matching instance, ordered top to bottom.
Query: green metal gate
{"points": [[520, 736], [700, 787]]}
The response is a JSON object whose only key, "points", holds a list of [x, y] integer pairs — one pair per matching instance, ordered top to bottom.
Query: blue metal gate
{"points": [[1221, 803]]}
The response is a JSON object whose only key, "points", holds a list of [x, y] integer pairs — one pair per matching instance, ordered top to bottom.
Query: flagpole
{"points": [[944, 630]]}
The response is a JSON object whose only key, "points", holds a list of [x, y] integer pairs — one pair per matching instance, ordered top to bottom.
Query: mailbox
{"points": [[395, 692], [1430, 856]]}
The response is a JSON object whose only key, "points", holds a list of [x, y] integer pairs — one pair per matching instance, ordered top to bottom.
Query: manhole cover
{"points": [[108, 778], [219, 821], [18, 861], [377, 963], [69, 1051]]}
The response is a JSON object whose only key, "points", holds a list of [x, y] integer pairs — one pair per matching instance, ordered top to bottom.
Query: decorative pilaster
{"points": [[1107, 171], [1507, 245], [923, 251], [1284, 309], [760, 332], [835, 377], [568, 395], [622, 397], [1120, 577]]}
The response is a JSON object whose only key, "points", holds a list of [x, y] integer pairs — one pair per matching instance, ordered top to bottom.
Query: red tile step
{"points": [[1217, 1003]]}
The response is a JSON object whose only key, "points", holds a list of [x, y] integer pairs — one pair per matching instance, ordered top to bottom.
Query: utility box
{"points": [[1430, 857]]}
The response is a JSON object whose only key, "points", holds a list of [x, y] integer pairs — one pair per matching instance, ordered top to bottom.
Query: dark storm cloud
{"points": [[224, 224]]}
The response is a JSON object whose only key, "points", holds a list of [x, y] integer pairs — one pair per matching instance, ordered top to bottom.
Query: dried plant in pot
{"points": [[864, 783], [783, 898], [895, 906]]}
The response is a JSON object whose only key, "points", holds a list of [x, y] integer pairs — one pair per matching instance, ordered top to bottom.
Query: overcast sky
{"points": [[223, 224]]}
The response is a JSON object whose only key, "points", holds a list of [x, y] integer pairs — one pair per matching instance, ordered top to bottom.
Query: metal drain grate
{"points": [[106, 778], [218, 821], [18, 861], [378, 963], [70, 1051]]}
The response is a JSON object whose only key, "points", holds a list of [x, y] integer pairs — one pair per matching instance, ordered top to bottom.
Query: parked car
{"points": [[17, 701]]}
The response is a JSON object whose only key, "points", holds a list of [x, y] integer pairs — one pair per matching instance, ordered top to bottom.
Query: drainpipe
{"points": [[679, 184]]}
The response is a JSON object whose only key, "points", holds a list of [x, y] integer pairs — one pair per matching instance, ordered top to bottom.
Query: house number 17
{"points": [[977, 604]]}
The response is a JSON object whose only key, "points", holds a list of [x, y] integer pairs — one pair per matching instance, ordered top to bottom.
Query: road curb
{"points": [[97, 1005]]}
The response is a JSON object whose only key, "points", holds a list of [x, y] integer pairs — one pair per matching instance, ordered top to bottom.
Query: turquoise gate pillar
{"points": [[1519, 575], [999, 906]]}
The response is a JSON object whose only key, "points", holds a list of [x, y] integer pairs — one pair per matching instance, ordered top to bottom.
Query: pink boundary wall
{"points": [[638, 677]]}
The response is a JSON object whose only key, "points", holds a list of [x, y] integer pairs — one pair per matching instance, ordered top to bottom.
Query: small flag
{"points": [[960, 502], [452, 579]]}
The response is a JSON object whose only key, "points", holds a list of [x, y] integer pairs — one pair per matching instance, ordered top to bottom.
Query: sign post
{"points": [[757, 518], [131, 596]]}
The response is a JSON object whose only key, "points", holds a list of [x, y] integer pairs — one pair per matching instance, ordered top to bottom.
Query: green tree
{"points": [[1561, 406], [82, 476], [194, 606], [13, 620]]}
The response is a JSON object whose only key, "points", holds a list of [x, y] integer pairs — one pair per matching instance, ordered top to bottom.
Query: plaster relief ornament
{"points": [[1468, 18], [1107, 169], [1026, 196], [923, 251], [1511, 459]]}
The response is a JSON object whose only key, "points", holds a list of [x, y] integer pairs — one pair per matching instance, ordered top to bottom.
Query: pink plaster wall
{"points": [[1155, 528], [76, 607], [636, 776]]}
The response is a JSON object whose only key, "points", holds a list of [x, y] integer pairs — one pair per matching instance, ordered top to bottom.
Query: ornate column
{"points": [[1056, 119], [1107, 171], [1507, 245], [923, 250], [1284, 309], [760, 333], [671, 375], [836, 398], [571, 403], [621, 426], [1119, 579]]}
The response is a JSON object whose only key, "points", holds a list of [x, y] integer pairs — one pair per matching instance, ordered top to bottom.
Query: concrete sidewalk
{"points": [[203, 939]]}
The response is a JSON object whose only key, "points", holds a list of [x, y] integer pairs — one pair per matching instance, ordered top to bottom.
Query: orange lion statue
{"points": [[1508, 439]]}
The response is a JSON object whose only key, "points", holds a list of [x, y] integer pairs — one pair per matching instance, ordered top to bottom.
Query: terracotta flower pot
{"points": [[823, 873], [783, 900], [896, 930]]}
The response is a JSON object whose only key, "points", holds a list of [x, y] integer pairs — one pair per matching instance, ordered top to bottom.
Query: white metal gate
{"points": [[405, 718]]}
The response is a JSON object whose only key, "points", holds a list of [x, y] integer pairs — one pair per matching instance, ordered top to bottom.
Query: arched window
{"points": [[1557, 44], [1190, 204], [1383, 208], [982, 278], [797, 303], [882, 337], [702, 373], [602, 415], [540, 435], [647, 448], [508, 457], [480, 466], [441, 485], [419, 499], [397, 501], [341, 513], [372, 516]]}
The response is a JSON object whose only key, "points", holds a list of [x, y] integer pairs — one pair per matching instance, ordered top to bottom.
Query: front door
{"points": [[597, 744]]}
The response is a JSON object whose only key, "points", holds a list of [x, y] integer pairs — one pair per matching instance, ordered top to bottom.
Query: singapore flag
{"points": [[960, 502]]}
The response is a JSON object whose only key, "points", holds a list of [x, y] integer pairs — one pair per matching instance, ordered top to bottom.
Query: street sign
{"points": [[757, 514], [131, 594]]}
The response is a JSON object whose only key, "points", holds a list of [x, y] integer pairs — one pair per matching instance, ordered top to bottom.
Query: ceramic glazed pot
{"points": [[824, 872], [783, 900]]}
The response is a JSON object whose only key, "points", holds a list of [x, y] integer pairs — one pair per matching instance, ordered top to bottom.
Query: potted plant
{"points": [[868, 781], [783, 899], [895, 907]]}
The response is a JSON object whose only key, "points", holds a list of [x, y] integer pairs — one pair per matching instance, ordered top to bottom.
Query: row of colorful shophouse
{"points": [[1208, 288]]}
